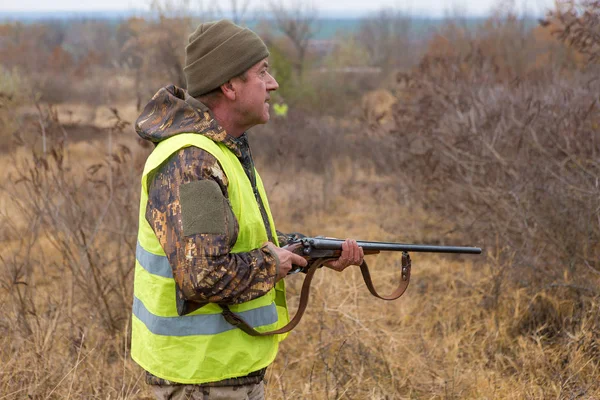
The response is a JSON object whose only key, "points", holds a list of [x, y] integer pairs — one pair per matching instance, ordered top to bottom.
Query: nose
{"points": [[272, 83]]}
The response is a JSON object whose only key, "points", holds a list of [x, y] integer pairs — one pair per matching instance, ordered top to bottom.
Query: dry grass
{"points": [[449, 337], [444, 339]]}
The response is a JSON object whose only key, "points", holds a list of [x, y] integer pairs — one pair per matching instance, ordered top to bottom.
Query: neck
{"points": [[226, 120]]}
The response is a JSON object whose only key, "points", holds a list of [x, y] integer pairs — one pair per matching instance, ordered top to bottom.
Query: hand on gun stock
{"points": [[352, 254], [286, 259]]}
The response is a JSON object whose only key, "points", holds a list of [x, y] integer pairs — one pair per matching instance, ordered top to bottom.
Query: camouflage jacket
{"points": [[203, 267]]}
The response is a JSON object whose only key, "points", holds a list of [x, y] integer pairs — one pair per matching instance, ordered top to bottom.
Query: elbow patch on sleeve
{"points": [[204, 209]]}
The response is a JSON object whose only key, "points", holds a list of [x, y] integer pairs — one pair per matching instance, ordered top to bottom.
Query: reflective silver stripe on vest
{"points": [[157, 265], [200, 324]]}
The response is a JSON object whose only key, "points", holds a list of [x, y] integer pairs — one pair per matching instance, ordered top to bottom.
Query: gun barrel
{"points": [[335, 244]]}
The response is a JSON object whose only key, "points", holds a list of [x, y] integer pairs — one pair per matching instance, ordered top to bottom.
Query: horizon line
{"points": [[321, 14]]}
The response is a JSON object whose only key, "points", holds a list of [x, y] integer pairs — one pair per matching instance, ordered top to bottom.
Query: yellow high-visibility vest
{"points": [[280, 110], [202, 347]]}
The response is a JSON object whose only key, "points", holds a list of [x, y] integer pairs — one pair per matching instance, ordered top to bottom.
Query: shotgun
{"points": [[319, 250]]}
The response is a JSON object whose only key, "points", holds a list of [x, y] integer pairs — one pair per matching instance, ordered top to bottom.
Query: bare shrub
{"points": [[298, 22], [577, 24], [388, 39], [154, 51], [14, 93], [377, 107], [511, 154], [68, 233], [94, 234]]}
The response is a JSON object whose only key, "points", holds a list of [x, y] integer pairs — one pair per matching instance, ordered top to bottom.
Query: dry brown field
{"points": [[491, 139]]}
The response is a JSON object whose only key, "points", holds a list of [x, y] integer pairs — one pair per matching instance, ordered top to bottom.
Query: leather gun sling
{"points": [[239, 322]]}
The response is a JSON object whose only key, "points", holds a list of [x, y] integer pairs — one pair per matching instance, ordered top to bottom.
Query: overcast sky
{"points": [[428, 7]]}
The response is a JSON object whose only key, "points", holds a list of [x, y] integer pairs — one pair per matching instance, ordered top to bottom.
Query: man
{"points": [[206, 236]]}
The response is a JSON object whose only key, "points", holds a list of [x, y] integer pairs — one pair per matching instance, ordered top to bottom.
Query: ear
{"points": [[229, 90]]}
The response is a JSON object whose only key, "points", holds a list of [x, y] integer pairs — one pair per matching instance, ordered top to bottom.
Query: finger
{"points": [[292, 247], [345, 248], [354, 251], [347, 253], [361, 254], [343, 255], [358, 255], [349, 256], [298, 260], [333, 264]]}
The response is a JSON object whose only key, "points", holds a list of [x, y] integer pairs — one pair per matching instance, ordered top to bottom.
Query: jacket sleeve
{"points": [[285, 238], [198, 245]]}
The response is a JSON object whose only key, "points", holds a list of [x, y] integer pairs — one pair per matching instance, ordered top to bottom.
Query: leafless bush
{"points": [[297, 20], [578, 24], [387, 38], [154, 51], [14, 92], [511, 156], [86, 216], [68, 227]]}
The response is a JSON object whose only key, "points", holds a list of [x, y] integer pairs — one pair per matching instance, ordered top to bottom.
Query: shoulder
{"points": [[190, 164]]}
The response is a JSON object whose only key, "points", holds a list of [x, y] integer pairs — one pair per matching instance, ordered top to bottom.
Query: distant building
{"points": [[322, 47], [351, 70]]}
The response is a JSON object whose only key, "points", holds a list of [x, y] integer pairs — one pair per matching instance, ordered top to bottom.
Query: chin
{"points": [[265, 118], [261, 121]]}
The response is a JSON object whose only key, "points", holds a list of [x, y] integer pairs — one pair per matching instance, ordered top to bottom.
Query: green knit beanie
{"points": [[218, 51]]}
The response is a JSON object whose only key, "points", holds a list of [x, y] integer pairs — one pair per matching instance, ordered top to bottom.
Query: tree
{"points": [[238, 10], [297, 21], [386, 36], [154, 51]]}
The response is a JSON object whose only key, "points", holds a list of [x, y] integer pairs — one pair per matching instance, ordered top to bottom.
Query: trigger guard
{"points": [[295, 270]]}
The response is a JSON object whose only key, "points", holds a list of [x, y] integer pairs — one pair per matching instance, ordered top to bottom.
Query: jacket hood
{"points": [[172, 111]]}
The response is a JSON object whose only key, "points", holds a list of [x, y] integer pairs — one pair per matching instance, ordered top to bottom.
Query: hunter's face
{"points": [[253, 94]]}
